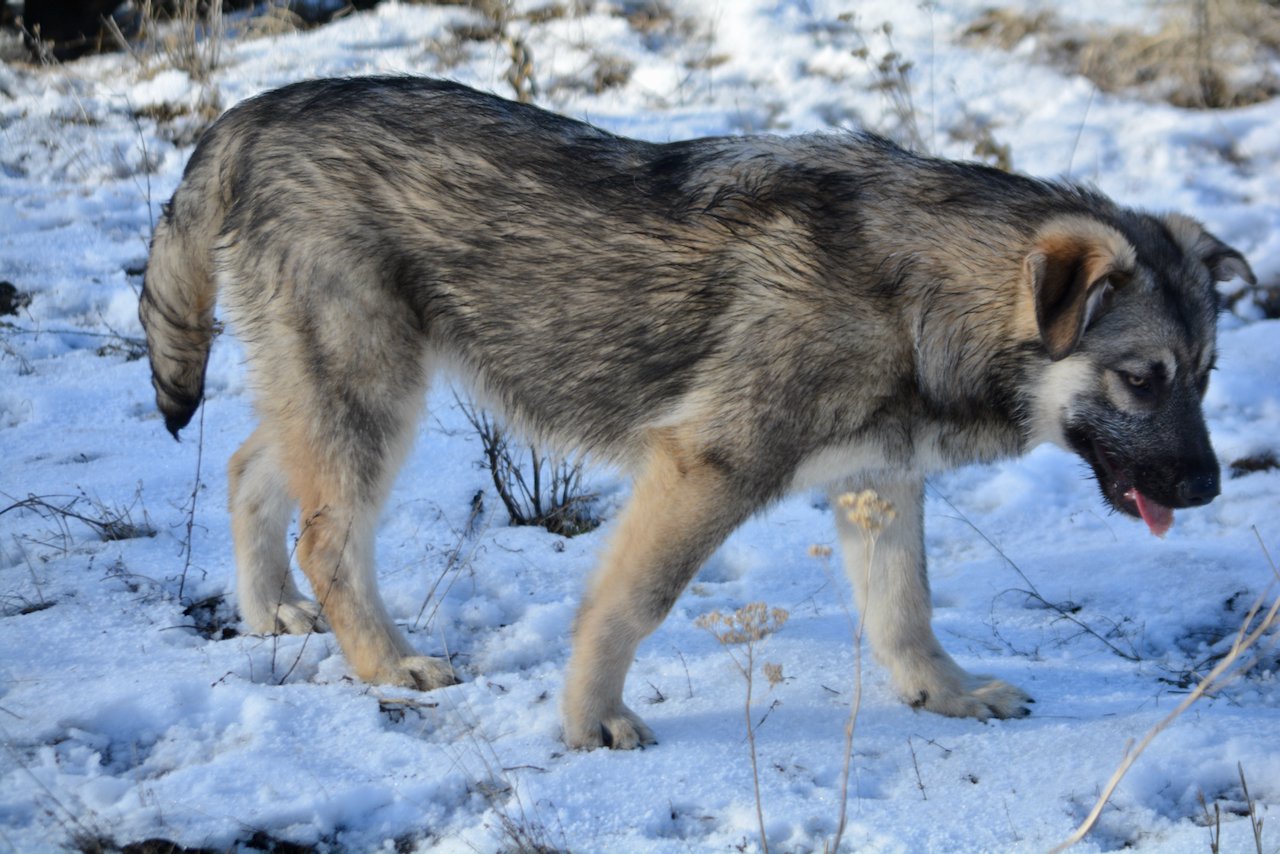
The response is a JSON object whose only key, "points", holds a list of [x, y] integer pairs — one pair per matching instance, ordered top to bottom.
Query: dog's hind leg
{"points": [[341, 383], [342, 477], [261, 507], [681, 509], [893, 599]]}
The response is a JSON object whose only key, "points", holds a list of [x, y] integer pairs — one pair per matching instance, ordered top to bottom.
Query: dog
{"points": [[728, 319]]}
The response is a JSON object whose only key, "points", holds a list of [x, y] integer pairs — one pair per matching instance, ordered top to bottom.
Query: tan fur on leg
{"points": [[680, 511], [335, 550]]}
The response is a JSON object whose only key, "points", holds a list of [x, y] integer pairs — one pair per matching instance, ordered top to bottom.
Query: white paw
{"points": [[297, 617], [417, 671], [980, 697], [620, 729]]}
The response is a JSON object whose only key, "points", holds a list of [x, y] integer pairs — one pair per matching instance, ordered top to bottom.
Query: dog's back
{"points": [[587, 284]]}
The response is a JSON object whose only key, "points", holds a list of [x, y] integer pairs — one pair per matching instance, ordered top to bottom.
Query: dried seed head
{"points": [[867, 510], [819, 551], [711, 621], [748, 624], [773, 673]]}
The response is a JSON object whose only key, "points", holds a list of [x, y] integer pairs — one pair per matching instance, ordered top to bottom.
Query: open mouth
{"points": [[1122, 494]]}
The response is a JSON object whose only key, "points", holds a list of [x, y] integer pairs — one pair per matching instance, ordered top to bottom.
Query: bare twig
{"points": [[1075, 143], [115, 336], [191, 508], [110, 524], [453, 564], [1031, 590], [688, 681], [916, 766]]}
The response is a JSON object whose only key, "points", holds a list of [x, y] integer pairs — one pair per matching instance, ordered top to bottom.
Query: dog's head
{"points": [[1126, 313]]}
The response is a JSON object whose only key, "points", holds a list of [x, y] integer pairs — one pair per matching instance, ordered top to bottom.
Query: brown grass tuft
{"points": [[1206, 54]]}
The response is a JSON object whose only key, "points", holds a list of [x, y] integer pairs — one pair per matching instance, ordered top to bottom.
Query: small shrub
{"points": [[535, 487]]}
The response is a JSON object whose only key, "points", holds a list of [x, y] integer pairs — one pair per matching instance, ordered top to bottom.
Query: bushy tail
{"points": [[178, 296]]}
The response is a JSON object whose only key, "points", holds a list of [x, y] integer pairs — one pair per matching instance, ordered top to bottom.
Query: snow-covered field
{"points": [[133, 706]]}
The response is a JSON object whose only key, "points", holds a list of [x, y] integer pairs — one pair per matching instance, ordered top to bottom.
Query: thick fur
{"points": [[728, 318]]}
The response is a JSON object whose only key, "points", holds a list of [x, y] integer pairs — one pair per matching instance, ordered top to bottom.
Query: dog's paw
{"points": [[297, 617], [417, 671], [980, 697], [621, 730]]}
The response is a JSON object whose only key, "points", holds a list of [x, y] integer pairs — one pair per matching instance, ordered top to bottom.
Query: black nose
{"points": [[1198, 489]]}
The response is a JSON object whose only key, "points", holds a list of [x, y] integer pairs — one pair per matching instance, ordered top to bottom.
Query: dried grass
{"points": [[1208, 54]]}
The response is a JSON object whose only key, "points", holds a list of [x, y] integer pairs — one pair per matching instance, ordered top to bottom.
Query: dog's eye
{"points": [[1138, 384]]}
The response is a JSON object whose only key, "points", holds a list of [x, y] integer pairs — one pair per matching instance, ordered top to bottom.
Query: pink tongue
{"points": [[1158, 517]]}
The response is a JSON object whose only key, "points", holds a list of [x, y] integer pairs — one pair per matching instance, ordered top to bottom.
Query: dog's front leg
{"points": [[682, 507], [892, 587]]}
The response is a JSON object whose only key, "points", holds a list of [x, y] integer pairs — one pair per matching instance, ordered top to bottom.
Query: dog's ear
{"points": [[1224, 263], [1074, 265]]}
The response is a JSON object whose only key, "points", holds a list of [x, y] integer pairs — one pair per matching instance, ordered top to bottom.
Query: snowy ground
{"points": [[127, 713]]}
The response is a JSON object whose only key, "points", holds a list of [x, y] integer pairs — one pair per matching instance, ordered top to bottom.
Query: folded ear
{"points": [[1224, 263], [1074, 264]]}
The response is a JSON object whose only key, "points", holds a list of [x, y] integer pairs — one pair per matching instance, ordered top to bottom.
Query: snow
{"points": [[122, 722]]}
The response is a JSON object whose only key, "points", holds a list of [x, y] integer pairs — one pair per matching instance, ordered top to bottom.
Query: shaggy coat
{"points": [[727, 318]]}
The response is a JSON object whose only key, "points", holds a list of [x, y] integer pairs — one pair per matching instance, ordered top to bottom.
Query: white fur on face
{"points": [[1062, 383]]}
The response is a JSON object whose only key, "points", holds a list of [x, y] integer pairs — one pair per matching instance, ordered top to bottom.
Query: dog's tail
{"points": [[179, 291]]}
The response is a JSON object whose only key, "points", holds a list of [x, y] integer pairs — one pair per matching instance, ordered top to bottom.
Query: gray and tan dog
{"points": [[729, 319]]}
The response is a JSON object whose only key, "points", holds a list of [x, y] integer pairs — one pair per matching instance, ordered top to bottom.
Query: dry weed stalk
{"points": [[188, 36], [196, 44], [520, 74], [891, 77], [871, 514], [109, 523], [455, 562], [1064, 612], [747, 626], [1227, 670], [1213, 820], [1255, 823], [521, 826]]}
